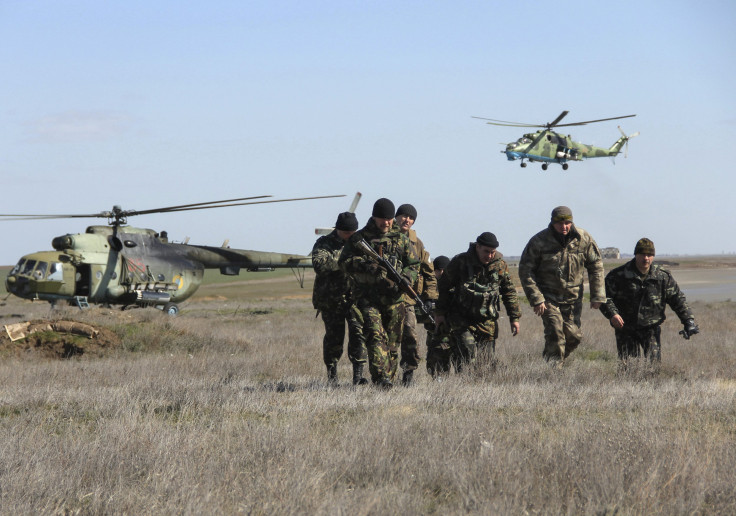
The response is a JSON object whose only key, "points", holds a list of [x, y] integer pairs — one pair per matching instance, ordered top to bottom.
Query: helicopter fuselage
{"points": [[552, 147], [130, 266]]}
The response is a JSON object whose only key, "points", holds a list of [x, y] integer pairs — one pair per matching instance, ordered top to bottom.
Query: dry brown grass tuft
{"points": [[225, 409]]}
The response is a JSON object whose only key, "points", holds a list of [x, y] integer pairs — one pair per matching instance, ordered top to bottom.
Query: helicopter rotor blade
{"points": [[557, 120], [493, 121], [594, 121], [241, 204], [182, 206], [118, 214]]}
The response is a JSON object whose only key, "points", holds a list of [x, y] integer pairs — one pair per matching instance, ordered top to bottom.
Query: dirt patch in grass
{"points": [[50, 339]]}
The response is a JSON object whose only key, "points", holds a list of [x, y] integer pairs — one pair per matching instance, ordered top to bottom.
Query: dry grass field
{"points": [[225, 409]]}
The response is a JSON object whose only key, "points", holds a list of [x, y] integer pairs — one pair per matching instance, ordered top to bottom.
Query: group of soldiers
{"points": [[380, 283]]}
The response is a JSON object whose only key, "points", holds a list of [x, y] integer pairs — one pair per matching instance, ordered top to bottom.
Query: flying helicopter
{"points": [[549, 146], [116, 264]]}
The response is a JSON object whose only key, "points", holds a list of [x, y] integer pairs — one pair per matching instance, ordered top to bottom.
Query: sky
{"points": [[153, 104]]}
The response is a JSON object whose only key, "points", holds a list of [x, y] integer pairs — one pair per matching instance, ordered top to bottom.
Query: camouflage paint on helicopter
{"points": [[547, 146], [124, 265], [133, 266]]}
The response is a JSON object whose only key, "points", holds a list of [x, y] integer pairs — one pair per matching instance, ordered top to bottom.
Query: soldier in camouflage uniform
{"points": [[551, 271], [426, 287], [470, 291], [637, 294], [332, 297], [378, 297], [438, 343]]}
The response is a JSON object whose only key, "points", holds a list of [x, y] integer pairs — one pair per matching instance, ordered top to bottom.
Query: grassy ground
{"points": [[225, 409]]}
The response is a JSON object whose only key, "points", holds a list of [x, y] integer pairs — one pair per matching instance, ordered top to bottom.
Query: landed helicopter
{"points": [[548, 146], [123, 265]]}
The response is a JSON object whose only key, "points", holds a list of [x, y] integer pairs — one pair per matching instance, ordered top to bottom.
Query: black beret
{"points": [[384, 209], [407, 209], [347, 221], [487, 239], [441, 262]]}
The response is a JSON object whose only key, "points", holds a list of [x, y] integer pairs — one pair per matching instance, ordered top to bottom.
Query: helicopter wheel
{"points": [[523, 165], [544, 166], [564, 166], [171, 309]]}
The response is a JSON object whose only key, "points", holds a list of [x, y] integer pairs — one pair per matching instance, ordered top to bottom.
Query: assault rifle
{"points": [[396, 276]]}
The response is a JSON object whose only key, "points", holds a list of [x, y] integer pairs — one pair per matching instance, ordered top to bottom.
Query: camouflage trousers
{"points": [[382, 328], [562, 333], [335, 335], [468, 340], [409, 341], [633, 343], [439, 353]]}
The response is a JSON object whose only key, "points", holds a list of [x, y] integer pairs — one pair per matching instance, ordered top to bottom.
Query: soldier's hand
{"points": [[372, 268], [388, 284], [540, 308], [617, 321], [515, 327], [690, 328]]}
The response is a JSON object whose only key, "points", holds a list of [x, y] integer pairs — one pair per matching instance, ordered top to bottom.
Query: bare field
{"points": [[225, 409]]}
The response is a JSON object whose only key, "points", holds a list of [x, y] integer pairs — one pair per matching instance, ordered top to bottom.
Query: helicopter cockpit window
{"points": [[524, 140], [29, 266], [18, 267], [40, 271], [55, 272]]}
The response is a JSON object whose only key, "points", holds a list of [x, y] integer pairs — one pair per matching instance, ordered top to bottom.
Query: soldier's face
{"points": [[405, 222], [383, 224], [563, 226], [344, 235], [485, 253], [643, 262], [438, 273]]}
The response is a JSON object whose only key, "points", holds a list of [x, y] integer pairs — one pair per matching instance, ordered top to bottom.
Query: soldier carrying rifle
{"points": [[377, 292]]}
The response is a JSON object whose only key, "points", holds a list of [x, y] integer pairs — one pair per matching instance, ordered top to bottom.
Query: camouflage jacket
{"points": [[395, 247], [551, 271], [466, 278], [426, 284], [331, 287], [641, 300]]}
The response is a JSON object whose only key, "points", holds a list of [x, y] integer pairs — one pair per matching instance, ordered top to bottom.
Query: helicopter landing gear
{"points": [[523, 165], [544, 166], [564, 166], [171, 309]]}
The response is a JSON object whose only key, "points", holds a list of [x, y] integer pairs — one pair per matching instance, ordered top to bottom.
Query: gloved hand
{"points": [[372, 268], [388, 285], [429, 304], [690, 328]]}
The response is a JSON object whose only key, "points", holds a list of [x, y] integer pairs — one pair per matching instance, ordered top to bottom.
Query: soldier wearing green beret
{"points": [[551, 271], [637, 295]]}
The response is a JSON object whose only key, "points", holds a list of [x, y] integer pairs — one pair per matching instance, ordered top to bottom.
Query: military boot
{"points": [[332, 373], [358, 375], [408, 378], [384, 383]]}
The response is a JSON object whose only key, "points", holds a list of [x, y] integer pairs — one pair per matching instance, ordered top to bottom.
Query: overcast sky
{"points": [[148, 104]]}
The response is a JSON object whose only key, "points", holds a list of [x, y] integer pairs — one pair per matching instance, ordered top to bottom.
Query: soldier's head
{"points": [[383, 214], [406, 215], [561, 219], [346, 224], [485, 247], [644, 254], [440, 264]]}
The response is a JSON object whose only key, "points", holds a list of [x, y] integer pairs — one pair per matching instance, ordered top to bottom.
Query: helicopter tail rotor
{"points": [[626, 139]]}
